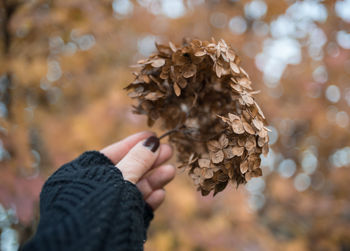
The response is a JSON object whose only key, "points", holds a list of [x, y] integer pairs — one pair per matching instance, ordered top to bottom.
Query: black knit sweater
{"points": [[87, 205]]}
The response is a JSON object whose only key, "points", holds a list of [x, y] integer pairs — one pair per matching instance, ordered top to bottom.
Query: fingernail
{"points": [[152, 143]]}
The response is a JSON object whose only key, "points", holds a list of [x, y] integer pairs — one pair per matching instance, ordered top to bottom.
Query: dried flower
{"points": [[202, 94]]}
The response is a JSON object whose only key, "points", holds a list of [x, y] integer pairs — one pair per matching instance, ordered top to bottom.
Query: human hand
{"points": [[140, 157]]}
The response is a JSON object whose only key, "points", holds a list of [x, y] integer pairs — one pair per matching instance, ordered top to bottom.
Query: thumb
{"points": [[139, 159]]}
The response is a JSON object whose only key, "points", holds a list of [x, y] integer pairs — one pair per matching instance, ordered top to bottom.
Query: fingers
{"points": [[117, 151], [139, 159], [156, 180], [156, 198]]}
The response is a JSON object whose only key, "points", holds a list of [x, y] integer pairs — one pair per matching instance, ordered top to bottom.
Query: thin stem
{"points": [[168, 133]]}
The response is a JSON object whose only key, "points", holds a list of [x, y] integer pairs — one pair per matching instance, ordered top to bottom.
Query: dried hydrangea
{"points": [[204, 98]]}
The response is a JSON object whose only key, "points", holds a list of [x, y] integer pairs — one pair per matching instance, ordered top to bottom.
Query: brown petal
{"points": [[172, 46], [200, 53], [158, 62], [234, 67], [218, 70], [190, 71], [182, 83], [246, 83], [177, 89], [154, 96], [247, 99], [259, 110], [233, 117], [258, 124], [237, 127], [248, 128], [262, 133], [223, 141], [261, 141], [250, 144], [213, 145], [265, 149], [237, 150], [228, 153], [217, 157], [204, 163], [244, 167], [208, 173], [230, 173]]}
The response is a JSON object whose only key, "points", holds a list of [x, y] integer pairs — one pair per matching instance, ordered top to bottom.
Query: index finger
{"points": [[118, 150]]}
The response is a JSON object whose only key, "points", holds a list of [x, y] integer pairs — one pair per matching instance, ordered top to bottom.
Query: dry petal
{"points": [[172, 46], [200, 53], [158, 62], [234, 67], [190, 71], [177, 89], [154, 96], [248, 99], [233, 117], [258, 124], [237, 126], [248, 128], [223, 140], [250, 144], [238, 150], [228, 152], [217, 157], [204, 163], [244, 167], [208, 173]]}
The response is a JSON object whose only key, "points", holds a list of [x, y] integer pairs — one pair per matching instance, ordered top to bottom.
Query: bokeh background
{"points": [[63, 66]]}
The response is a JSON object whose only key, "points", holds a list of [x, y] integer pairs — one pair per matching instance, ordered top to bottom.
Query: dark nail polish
{"points": [[152, 143]]}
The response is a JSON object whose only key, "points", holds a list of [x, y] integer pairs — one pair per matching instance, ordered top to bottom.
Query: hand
{"points": [[140, 157]]}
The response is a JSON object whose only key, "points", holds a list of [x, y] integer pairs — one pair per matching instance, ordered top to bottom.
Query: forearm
{"points": [[87, 205]]}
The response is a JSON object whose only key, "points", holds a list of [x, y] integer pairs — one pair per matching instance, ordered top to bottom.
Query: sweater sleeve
{"points": [[87, 205]]}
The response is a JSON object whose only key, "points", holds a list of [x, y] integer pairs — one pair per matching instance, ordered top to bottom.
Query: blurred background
{"points": [[63, 66]]}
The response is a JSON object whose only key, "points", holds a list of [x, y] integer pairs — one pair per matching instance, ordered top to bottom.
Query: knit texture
{"points": [[87, 205]]}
